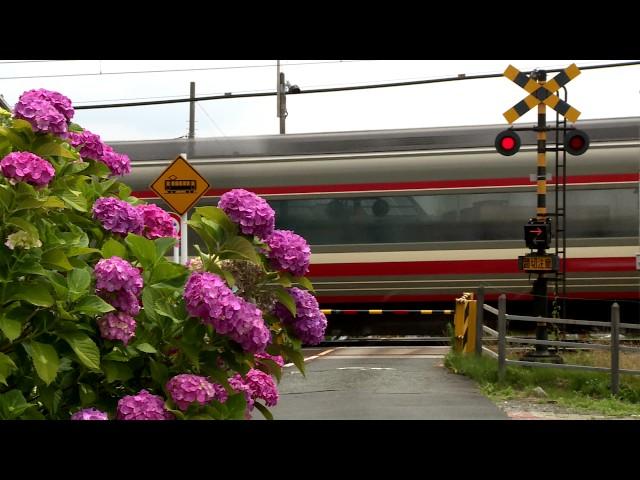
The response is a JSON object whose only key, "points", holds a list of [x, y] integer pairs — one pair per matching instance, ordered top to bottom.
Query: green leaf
{"points": [[16, 140], [54, 149], [123, 191], [75, 201], [24, 202], [53, 202], [217, 215], [24, 225], [163, 244], [241, 247], [113, 248], [143, 249], [75, 251], [57, 258], [30, 267], [167, 271], [78, 281], [58, 282], [305, 282], [35, 293], [149, 297], [286, 299], [91, 305], [11, 322], [84, 348], [146, 348], [295, 356], [45, 360], [6, 367], [116, 371], [159, 372], [87, 394], [51, 397], [12, 405], [264, 410]]}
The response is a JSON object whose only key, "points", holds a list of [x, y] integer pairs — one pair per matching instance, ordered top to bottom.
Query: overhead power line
{"points": [[133, 72], [458, 77]]}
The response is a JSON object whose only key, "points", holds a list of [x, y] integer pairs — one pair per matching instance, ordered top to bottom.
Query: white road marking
{"points": [[312, 357]]}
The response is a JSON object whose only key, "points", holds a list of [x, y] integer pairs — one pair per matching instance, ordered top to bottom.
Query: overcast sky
{"points": [[603, 93]]}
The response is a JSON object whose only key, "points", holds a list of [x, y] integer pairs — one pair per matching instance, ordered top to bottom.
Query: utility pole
{"points": [[281, 99], [192, 110]]}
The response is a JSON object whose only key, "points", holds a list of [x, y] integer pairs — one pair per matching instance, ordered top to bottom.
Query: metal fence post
{"points": [[479, 321], [502, 333], [615, 348]]}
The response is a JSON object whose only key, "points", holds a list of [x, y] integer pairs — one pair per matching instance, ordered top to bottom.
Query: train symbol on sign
{"points": [[175, 185]]}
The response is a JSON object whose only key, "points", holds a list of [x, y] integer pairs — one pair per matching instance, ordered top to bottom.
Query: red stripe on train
{"points": [[382, 186], [461, 267], [354, 299]]}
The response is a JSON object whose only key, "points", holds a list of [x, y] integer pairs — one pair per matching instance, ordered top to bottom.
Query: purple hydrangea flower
{"points": [[61, 103], [46, 111], [88, 144], [118, 163], [27, 167], [252, 213], [118, 216], [157, 222], [289, 252], [117, 274], [208, 297], [121, 300], [310, 323], [117, 326], [248, 328], [275, 358], [255, 384], [262, 386], [186, 389], [143, 406], [89, 414]]}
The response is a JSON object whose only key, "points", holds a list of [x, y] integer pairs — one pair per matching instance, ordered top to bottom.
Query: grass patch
{"points": [[584, 392]]}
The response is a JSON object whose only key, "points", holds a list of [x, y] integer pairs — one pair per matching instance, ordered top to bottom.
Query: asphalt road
{"points": [[379, 383]]}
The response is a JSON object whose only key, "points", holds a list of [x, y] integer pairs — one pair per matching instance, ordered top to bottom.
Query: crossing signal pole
{"points": [[538, 230]]}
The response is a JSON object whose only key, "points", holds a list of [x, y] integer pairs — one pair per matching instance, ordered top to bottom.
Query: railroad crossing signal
{"points": [[542, 93], [180, 185]]}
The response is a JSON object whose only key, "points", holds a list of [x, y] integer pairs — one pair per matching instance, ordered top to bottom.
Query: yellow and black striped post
{"points": [[541, 189], [464, 324]]}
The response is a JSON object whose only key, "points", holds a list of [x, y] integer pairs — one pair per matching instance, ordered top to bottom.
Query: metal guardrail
{"points": [[502, 338]]}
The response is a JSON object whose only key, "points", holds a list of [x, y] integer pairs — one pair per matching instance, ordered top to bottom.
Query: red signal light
{"points": [[576, 142], [507, 143]]}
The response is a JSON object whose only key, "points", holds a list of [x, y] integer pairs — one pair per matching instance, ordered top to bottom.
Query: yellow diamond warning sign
{"points": [[180, 185]]}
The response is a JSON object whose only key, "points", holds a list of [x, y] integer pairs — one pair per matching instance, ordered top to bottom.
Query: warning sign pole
{"points": [[184, 246]]}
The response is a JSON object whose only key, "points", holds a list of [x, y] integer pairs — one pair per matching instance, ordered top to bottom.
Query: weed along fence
{"points": [[502, 337]]}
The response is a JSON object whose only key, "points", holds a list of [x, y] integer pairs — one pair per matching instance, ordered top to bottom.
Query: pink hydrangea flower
{"points": [[58, 101], [46, 111], [88, 144], [118, 163], [27, 167], [254, 215], [118, 216], [157, 222], [289, 251], [117, 274], [207, 296], [121, 300], [310, 323], [117, 326], [248, 328], [262, 386], [186, 389], [143, 406], [89, 414]]}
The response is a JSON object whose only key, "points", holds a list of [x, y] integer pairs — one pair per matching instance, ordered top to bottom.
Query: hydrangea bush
{"points": [[97, 324]]}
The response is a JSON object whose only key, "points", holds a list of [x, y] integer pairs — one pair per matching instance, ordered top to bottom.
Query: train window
{"points": [[448, 217]]}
